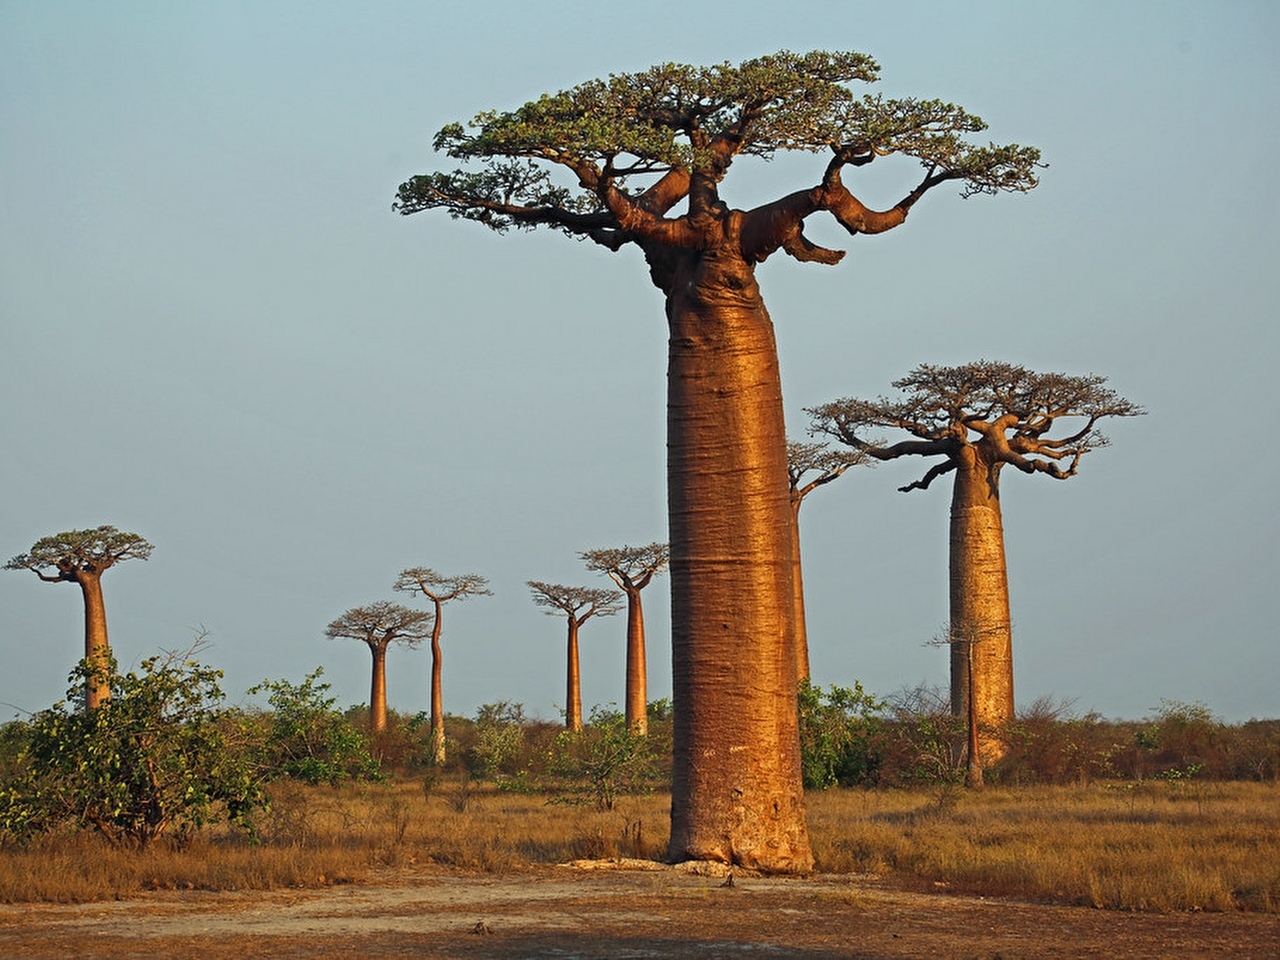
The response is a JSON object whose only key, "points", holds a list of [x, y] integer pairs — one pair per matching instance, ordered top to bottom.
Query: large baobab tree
{"points": [[636, 160], [974, 420], [809, 466], [82, 557], [632, 569], [440, 590], [577, 605], [379, 625]]}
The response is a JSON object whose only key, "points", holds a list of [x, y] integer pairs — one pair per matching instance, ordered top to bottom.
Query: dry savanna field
{"points": [[449, 867]]}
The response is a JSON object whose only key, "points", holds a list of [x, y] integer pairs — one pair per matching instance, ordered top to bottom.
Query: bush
{"points": [[841, 735], [306, 738], [160, 757], [606, 760]]}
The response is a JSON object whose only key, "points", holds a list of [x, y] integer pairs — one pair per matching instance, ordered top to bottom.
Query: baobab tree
{"points": [[637, 160], [974, 420], [809, 466], [82, 557], [632, 569], [439, 590], [578, 605], [379, 625]]}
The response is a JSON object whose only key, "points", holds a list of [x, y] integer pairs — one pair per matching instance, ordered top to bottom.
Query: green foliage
{"points": [[682, 117], [75, 551], [841, 735], [307, 739], [499, 739], [161, 757], [606, 760]]}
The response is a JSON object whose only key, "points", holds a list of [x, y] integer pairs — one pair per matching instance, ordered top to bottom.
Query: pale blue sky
{"points": [[215, 333]]}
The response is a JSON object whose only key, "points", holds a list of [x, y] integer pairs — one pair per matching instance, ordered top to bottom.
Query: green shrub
{"points": [[841, 735], [306, 738], [161, 757]]}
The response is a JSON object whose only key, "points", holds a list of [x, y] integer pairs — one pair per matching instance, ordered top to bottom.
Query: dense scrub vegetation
{"points": [[167, 784]]}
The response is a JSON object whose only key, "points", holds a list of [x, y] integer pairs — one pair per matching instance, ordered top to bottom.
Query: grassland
{"points": [[1145, 846]]}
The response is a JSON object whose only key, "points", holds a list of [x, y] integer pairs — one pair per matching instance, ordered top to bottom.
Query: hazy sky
{"points": [[214, 332]]}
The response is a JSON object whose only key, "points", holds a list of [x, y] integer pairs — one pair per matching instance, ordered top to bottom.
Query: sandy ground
{"points": [[616, 911]]}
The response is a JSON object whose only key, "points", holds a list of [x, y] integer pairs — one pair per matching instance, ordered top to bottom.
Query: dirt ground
{"points": [[618, 911]]}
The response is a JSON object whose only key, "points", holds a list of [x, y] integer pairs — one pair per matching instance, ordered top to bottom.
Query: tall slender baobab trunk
{"points": [[797, 592], [980, 601], [97, 651], [573, 681], [378, 689], [637, 690], [437, 693], [736, 791]]}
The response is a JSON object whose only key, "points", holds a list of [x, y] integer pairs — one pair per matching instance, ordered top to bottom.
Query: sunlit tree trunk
{"points": [[797, 590], [980, 602], [97, 651], [378, 689], [637, 692], [573, 693], [437, 694], [736, 791]]}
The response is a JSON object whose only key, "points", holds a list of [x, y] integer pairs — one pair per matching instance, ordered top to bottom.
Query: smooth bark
{"points": [[797, 592], [979, 593], [97, 651], [573, 681], [637, 683], [378, 688], [736, 794]]}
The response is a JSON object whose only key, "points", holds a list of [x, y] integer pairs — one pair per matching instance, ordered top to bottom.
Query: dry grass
{"points": [[1147, 846], [1151, 846]]}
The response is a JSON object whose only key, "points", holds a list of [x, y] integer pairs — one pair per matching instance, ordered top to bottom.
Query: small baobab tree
{"points": [[636, 161], [974, 420], [810, 466], [82, 557], [632, 569], [440, 590], [578, 605], [379, 625]]}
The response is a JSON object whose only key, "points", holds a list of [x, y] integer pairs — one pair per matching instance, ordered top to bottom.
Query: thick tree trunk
{"points": [[797, 589], [980, 603], [97, 651], [378, 689], [637, 692], [573, 693], [437, 696], [736, 790]]}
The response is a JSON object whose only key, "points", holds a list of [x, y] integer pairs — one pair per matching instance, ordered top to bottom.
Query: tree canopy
{"points": [[632, 146], [1007, 408], [72, 554], [569, 600], [380, 623]]}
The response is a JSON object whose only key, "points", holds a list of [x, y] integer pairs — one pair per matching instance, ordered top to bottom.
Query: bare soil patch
{"points": [[622, 910]]}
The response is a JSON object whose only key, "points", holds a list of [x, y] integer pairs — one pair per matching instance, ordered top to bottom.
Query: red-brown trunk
{"points": [[797, 587], [980, 602], [97, 651], [378, 689], [637, 693], [573, 694], [437, 696], [736, 790]]}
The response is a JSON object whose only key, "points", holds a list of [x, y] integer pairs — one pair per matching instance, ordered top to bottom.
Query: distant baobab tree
{"points": [[636, 160], [975, 419], [809, 466], [82, 557], [632, 569], [440, 590], [578, 605], [379, 625]]}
